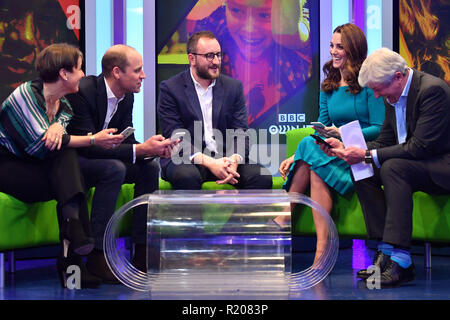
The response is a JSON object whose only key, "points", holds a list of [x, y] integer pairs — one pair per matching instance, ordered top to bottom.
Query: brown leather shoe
{"points": [[96, 264]]}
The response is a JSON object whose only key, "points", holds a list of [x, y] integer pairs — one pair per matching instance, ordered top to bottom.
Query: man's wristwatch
{"points": [[92, 139], [368, 157]]}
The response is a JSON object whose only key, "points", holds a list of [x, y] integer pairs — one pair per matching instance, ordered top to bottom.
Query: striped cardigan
{"points": [[24, 121]]}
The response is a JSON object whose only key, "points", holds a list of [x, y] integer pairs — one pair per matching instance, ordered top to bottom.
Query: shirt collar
{"points": [[198, 85], [405, 89], [110, 94]]}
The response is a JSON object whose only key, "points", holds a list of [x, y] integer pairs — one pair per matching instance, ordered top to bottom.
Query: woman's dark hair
{"points": [[355, 45], [56, 57]]}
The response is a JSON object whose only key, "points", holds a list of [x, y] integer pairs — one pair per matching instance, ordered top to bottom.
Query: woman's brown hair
{"points": [[355, 45], [55, 57]]}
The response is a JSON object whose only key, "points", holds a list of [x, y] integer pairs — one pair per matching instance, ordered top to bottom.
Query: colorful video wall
{"points": [[26, 28], [424, 36], [271, 46]]}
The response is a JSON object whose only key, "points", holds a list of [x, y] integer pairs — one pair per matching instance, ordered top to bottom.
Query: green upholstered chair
{"points": [[431, 213], [27, 225]]}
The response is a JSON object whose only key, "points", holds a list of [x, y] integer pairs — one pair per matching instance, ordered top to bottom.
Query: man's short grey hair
{"points": [[380, 67]]}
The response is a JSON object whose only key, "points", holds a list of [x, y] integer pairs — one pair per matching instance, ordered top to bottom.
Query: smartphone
{"points": [[318, 124], [127, 132], [178, 135], [321, 141]]}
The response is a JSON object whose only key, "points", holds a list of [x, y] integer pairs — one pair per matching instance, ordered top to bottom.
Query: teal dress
{"points": [[338, 108]]}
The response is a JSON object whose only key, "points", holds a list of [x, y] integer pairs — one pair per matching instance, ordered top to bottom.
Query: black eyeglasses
{"points": [[210, 55]]}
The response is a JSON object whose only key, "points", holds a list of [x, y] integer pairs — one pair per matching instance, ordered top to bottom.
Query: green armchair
{"points": [[27, 225]]}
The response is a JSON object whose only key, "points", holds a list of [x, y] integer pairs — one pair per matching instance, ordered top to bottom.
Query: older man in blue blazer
{"points": [[412, 153]]}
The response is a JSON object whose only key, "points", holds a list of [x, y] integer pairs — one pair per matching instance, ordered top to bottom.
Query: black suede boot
{"points": [[67, 265], [97, 265]]}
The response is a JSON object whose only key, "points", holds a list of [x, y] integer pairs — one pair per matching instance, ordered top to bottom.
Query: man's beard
{"points": [[203, 72]]}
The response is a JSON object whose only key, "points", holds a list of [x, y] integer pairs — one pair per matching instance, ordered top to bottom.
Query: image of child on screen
{"points": [[271, 61]]}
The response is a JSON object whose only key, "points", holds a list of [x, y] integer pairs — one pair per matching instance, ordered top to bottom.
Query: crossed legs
{"points": [[320, 192]]}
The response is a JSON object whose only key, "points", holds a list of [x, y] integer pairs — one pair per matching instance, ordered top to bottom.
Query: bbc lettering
{"points": [[291, 117]]}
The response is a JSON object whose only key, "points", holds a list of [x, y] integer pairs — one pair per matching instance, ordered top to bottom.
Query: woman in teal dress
{"points": [[342, 100]]}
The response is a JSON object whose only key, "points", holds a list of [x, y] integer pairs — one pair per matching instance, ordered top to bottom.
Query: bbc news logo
{"points": [[291, 117], [287, 122], [282, 128]]}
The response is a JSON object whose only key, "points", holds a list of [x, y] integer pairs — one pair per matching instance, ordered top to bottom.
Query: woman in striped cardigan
{"points": [[37, 159]]}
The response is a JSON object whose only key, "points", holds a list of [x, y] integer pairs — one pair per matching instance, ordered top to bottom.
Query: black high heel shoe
{"points": [[73, 234], [67, 264]]}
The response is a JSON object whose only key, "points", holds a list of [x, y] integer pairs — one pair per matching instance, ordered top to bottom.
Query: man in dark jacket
{"points": [[102, 102], [207, 105], [412, 153]]}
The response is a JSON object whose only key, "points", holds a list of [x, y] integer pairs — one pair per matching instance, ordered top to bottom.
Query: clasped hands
{"points": [[225, 169]]}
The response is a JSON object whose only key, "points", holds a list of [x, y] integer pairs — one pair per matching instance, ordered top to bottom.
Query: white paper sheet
{"points": [[352, 136]]}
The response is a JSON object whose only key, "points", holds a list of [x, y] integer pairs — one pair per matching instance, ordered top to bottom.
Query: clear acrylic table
{"points": [[218, 245]]}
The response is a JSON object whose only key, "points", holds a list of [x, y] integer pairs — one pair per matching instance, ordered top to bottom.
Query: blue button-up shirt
{"points": [[400, 116]]}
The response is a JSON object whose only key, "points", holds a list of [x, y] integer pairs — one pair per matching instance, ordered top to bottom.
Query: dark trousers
{"points": [[107, 176], [56, 177], [191, 177], [388, 212]]}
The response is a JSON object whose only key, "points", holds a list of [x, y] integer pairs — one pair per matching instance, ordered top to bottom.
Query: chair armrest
{"points": [[293, 137]]}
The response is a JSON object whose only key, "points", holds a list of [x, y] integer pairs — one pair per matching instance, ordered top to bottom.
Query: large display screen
{"points": [[26, 28], [424, 35], [271, 46]]}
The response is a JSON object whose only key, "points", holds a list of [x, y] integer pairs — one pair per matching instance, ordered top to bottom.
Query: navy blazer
{"points": [[89, 105], [179, 107], [427, 124]]}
